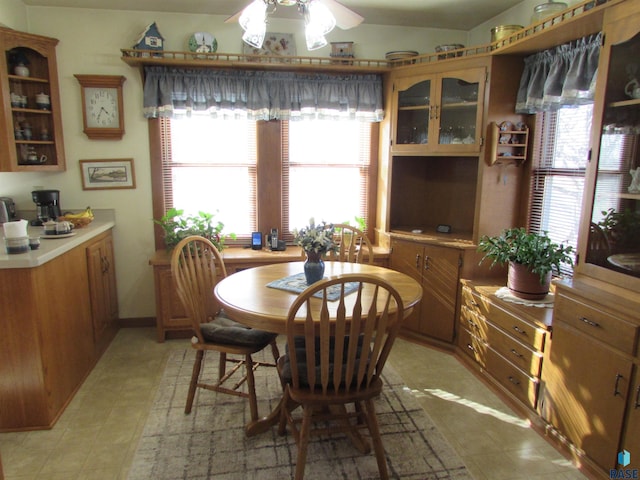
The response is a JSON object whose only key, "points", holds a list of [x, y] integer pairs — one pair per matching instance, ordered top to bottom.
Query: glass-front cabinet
{"points": [[439, 113], [613, 227]]}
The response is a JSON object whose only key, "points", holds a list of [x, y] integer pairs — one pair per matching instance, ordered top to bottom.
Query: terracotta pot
{"points": [[526, 285]]}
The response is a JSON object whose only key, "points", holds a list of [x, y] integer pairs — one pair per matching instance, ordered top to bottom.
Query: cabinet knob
{"points": [[519, 330], [470, 347], [519, 355], [513, 380]]}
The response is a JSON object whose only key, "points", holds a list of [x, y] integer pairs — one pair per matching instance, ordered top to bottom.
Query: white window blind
{"points": [[560, 156], [209, 165], [326, 172]]}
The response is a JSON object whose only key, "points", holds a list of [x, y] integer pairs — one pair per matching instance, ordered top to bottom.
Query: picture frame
{"points": [[279, 44], [107, 174]]}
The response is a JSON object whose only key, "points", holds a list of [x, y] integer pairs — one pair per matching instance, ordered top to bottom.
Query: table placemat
{"points": [[297, 283]]}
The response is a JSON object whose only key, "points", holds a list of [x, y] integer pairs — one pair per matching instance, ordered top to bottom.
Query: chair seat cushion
{"points": [[226, 331]]}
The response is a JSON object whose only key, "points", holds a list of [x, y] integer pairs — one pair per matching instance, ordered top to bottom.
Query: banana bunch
{"points": [[79, 219]]}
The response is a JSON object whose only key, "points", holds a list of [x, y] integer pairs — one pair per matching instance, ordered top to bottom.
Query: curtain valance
{"points": [[562, 76], [260, 95]]}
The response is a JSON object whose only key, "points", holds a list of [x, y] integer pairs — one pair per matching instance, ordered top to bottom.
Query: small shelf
{"points": [[18, 78], [625, 103], [507, 152], [630, 196]]}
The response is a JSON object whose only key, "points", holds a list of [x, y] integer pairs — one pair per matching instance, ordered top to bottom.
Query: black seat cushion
{"points": [[229, 332], [299, 345]]}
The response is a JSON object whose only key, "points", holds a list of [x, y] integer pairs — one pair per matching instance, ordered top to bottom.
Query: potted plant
{"points": [[176, 226], [622, 229], [315, 240], [531, 258]]}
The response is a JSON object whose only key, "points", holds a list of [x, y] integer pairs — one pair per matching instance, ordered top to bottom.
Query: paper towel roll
{"points": [[15, 229]]}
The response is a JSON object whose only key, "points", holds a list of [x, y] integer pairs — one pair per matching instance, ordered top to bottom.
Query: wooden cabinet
{"points": [[438, 112], [30, 118], [507, 145], [609, 245], [437, 268], [102, 288], [170, 315], [49, 341], [506, 342], [587, 381], [630, 437]]}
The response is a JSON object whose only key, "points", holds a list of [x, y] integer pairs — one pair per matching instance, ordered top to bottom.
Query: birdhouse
{"points": [[150, 39]]}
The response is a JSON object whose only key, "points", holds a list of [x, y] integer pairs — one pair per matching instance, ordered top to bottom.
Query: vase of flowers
{"points": [[316, 241]]}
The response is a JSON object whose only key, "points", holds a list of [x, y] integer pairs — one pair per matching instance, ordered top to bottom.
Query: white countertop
{"points": [[52, 247]]}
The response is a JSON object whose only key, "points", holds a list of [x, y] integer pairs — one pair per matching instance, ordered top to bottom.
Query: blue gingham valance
{"points": [[261, 95]]}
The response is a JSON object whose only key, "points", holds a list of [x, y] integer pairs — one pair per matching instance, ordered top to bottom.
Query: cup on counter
{"points": [[49, 227], [63, 228], [34, 243], [16, 244]]}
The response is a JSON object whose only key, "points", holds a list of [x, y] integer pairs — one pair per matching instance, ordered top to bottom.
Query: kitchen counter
{"points": [[52, 247]]}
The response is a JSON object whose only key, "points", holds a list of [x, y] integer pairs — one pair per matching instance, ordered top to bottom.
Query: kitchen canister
{"points": [[544, 10], [503, 31], [15, 229]]}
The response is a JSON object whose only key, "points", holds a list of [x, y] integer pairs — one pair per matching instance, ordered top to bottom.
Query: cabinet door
{"points": [[459, 112], [413, 113], [406, 257], [440, 276], [102, 287], [585, 394], [631, 439]]}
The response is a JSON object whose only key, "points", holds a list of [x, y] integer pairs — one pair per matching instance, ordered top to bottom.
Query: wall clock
{"points": [[102, 106]]}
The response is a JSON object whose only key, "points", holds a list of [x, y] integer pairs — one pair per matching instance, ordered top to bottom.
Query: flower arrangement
{"points": [[316, 238]]}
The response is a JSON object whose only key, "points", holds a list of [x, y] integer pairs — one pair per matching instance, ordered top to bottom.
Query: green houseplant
{"points": [[176, 226], [531, 258]]}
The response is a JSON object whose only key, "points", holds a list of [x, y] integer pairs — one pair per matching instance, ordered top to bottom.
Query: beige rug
{"points": [[210, 442]]}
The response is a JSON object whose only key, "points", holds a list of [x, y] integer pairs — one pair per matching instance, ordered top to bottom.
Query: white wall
{"points": [[90, 43]]}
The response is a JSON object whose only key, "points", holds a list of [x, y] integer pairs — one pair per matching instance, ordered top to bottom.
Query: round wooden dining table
{"points": [[246, 297]]}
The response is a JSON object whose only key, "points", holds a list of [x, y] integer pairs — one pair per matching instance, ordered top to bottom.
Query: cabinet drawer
{"points": [[597, 323], [523, 331], [472, 346], [519, 354], [509, 376], [513, 379]]}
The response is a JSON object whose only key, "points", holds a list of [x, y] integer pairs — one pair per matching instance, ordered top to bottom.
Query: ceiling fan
{"points": [[320, 17]]}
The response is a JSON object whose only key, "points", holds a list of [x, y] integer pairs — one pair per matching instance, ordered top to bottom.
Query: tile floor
{"points": [[96, 436]]}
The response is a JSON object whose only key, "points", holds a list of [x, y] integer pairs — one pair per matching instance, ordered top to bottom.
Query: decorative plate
{"points": [[203, 42]]}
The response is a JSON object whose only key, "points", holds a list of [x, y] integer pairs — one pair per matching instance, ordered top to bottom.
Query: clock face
{"points": [[102, 107]]}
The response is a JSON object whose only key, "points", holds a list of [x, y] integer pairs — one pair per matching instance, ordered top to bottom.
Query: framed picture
{"points": [[281, 44], [107, 174]]}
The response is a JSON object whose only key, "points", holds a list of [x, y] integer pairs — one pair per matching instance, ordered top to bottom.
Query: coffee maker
{"points": [[47, 205]]}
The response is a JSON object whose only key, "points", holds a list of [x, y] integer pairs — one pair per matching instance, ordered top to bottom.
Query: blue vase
{"points": [[313, 267]]}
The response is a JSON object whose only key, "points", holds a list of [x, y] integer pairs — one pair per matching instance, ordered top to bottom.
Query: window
{"points": [[560, 156], [210, 165], [326, 172], [259, 175]]}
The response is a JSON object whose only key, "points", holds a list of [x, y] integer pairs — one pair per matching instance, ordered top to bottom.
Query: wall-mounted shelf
{"points": [[507, 144]]}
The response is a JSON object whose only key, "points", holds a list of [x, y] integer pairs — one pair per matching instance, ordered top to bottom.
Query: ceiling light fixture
{"points": [[318, 21]]}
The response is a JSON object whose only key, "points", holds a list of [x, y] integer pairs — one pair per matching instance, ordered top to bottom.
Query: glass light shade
{"points": [[254, 13], [319, 18], [254, 36], [315, 39]]}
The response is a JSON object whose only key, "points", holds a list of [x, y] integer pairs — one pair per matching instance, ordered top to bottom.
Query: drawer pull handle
{"points": [[418, 261], [473, 303], [471, 323], [591, 323], [519, 330], [470, 347], [519, 355], [514, 380], [616, 392], [637, 405]]}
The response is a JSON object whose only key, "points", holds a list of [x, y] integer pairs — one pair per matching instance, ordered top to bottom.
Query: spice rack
{"points": [[507, 144]]}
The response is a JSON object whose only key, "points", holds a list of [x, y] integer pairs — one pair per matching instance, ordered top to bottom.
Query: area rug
{"points": [[210, 443]]}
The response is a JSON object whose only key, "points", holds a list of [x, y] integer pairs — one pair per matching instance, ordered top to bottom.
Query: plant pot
{"points": [[525, 284]]}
